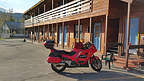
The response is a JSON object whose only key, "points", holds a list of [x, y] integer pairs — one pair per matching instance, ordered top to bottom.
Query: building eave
{"points": [[41, 1], [128, 1]]}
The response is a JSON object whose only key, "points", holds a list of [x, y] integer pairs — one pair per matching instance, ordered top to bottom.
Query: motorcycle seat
{"points": [[65, 52], [69, 53]]}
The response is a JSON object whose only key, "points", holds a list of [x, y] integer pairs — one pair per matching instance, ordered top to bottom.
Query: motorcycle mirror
{"points": [[44, 43]]}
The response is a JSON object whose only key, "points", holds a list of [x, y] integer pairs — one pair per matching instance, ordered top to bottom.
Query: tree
{"points": [[9, 16], [3, 18]]}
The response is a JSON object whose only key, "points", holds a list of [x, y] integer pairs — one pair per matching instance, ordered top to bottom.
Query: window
{"points": [[88, 29], [76, 31], [81, 32]]}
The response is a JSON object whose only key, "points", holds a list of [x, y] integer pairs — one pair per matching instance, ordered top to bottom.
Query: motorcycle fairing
{"points": [[80, 52], [54, 60]]}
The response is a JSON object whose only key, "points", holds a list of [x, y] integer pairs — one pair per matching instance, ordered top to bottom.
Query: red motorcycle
{"points": [[82, 55]]}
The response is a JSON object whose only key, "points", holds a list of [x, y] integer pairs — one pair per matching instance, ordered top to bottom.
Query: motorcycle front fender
{"points": [[93, 58]]}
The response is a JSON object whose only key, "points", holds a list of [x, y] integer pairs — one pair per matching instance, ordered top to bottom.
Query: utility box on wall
{"points": [[142, 39]]}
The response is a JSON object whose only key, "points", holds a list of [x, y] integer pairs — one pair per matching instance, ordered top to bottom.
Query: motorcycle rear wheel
{"points": [[96, 65], [58, 68]]}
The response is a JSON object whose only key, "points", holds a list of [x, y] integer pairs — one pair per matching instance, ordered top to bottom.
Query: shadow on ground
{"points": [[102, 76]]}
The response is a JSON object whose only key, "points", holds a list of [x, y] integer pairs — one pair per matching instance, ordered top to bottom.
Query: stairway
{"points": [[120, 62]]}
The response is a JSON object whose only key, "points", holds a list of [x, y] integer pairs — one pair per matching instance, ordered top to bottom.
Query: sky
{"points": [[18, 6]]}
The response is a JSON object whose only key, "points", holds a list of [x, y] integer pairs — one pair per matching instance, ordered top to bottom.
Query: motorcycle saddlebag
{"points": [[54, 60]]}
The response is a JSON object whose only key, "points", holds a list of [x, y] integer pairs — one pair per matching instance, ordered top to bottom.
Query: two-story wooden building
{"points": [[100, 21]]}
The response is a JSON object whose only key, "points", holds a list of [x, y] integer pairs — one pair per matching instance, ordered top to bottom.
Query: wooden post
{"points": [[63, 2], [52, 4], [91, 5], [44, 8], [38, 11], [34, 14], [52, 24], [44, 26], [38, 27], [34, 28], [106, 29], [31, 30], [79, 30], [90, 30], [44, 32], [48, 32], [52, 32], [128, 32], [57, 33], [34, 34], [38, 34], [63, 34], [24, 35], [69, 35]]}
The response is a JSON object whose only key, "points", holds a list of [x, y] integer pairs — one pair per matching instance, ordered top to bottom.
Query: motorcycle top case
{"points": [[49, 44], [54, 60]]}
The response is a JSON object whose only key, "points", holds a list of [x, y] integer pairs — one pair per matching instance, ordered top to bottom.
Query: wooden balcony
{"points": [[69, 9]]}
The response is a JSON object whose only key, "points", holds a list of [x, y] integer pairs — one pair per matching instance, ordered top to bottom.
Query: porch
{"points": [[101, 29], [125, 33], [66, 34]]}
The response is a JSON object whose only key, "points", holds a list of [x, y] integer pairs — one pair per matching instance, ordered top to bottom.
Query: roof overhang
{"points": [[41, 1], [128, 1]]}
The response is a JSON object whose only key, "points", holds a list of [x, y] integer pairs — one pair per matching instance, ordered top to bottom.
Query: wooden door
{"points": [[134, 23], [60, 34], [65, 35], [97, 35]]}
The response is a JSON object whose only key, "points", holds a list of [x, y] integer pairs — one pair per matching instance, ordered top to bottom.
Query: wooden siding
{"points": [[99, 7], [117, 9], [137, 11], [71, 18], [101, 19], [141, 31], [71, 34]]}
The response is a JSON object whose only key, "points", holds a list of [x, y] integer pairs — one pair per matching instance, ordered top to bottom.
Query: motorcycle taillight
{"points": [[52, 50]]}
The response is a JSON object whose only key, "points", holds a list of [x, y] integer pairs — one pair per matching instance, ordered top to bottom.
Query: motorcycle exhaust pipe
{"points": [[59, 64], [62, 64]]}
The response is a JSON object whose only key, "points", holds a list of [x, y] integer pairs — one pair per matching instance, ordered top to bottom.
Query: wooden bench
{"points": [[109, 56]]}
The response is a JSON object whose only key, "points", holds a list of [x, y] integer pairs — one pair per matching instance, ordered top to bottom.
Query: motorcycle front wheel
{"points": [[96, 65], [58, 68]]}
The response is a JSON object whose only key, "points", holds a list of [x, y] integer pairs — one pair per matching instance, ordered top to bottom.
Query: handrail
{"points": [[71, 8]]}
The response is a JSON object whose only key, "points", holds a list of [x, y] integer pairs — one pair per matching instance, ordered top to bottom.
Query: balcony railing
{"points": [[69, 9]]}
